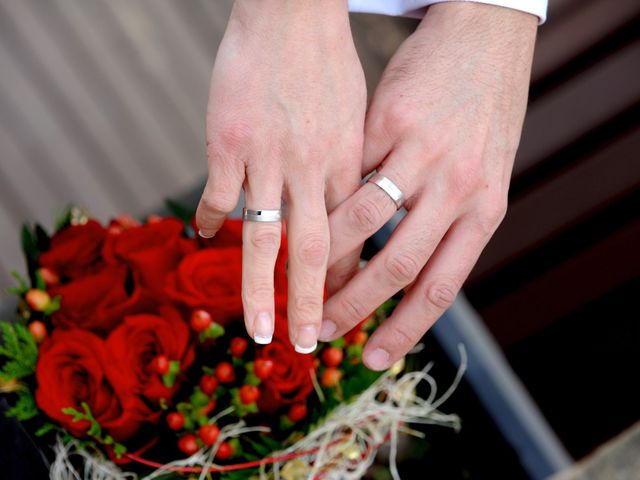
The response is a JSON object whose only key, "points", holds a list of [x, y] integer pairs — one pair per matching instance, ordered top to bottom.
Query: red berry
{"points": [[154, 218], [126, 221], [115, 229], [49, 276], [38, 300], [200, 320], [38, 331], [359, 338], [238, 346], [332, 356], [160, 364], [262, 368], [225, 373], [330, 377], [208, 384], [249, 394], [208, 408], [297, 412], [175, 420], [209, 434], [188, 444], [225, 451]]}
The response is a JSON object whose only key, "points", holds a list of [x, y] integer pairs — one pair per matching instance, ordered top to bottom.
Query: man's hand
{"points": [[285, 120], [444, 126]]}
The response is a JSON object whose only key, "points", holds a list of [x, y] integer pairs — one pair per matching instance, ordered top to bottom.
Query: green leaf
{"points": [[180, 211], [62, 218], [42, 238], [29, 244], [40, 283], [23, 284], [54, 305], [214, 331], [338, 342], [19, 350], [237, 362], [169, 378], [252, 379], [199, 398], [25, 408], [286, 423], [45, 428], [95, 430], [260, 448], [119, 450]]}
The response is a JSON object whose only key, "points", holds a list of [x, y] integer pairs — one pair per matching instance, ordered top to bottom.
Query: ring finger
{"points": [[396, 266]]}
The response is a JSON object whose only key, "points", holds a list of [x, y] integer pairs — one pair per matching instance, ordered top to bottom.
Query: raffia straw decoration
{"points": [[343, 446], [95, 466]]}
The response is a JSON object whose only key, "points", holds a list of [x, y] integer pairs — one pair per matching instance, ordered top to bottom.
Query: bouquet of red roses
{"points": [[129, 357]]}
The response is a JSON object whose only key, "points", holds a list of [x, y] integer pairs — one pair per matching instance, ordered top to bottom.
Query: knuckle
{"points": [[396, 118], [229, 139], [466, 178], [217, 202], [497, 211], [365, 215], [492, 215], [265, 240], [313, 250], [402, 267], [255, 289], [442, 293], [307, 307], [352, 308], [402, 338]]}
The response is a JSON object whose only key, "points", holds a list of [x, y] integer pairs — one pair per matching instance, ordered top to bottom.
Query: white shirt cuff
{"points": [[416, 8]]}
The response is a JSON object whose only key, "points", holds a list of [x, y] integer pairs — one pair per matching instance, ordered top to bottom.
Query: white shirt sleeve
{"points": [[416, 8]]}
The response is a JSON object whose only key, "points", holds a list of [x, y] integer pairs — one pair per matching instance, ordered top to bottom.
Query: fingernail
{"points": [[206, 234], [263, 329], [327, 329], [306, 338], [378, 359]]}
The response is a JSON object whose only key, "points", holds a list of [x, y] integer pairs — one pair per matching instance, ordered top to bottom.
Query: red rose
{"points": [[75, 250], [152, 250], [210, 280], [99, 301], [140, 339], [73, 369], [290, 380]]}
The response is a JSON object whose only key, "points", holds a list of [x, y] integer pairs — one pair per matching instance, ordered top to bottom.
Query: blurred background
{"points": [[102, 104]]}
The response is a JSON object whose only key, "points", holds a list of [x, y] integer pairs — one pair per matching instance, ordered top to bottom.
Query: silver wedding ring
{"points": [[389, 188], [261, 215]]}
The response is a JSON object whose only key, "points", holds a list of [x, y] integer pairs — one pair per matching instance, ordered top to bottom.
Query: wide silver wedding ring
{"points": [[389, 188], [261, 215]]}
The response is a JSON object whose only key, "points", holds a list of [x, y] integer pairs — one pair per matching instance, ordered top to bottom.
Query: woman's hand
{"points": [[285, 121], [444, 126]]}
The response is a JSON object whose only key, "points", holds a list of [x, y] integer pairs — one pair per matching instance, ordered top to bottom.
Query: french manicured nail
{"points": [[206, 233], [263, 329], [327, 329], [306, 338], [378, 359]]}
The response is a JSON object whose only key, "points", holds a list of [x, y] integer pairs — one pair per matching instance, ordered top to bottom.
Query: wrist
{"points": [[291, 9], [482, 17], [320, 22], [499, 35]]}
